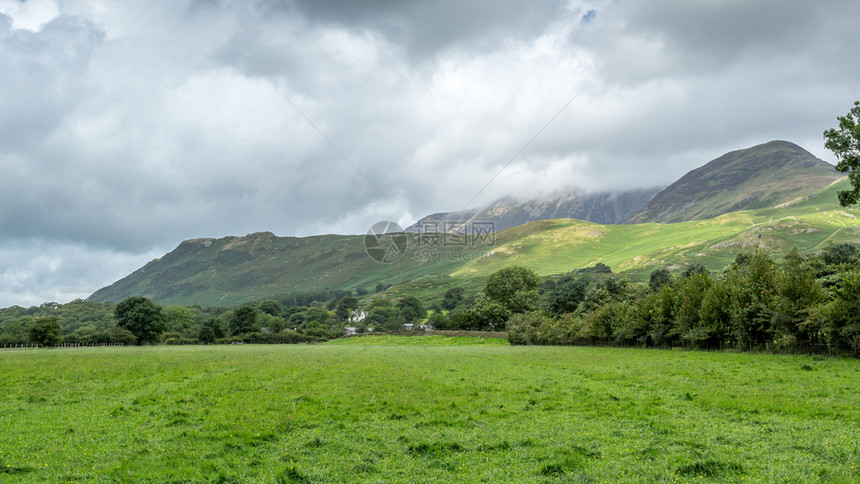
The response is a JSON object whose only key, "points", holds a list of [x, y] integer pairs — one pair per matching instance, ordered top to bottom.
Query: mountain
{"points": [[763, 176], [604, 208], [563, 245], [232, 270]]}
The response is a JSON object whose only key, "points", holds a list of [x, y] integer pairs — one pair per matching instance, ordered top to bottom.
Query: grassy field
{"points": [[391, 410]]}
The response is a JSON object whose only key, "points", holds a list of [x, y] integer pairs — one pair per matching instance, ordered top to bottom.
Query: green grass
{"points": [[429, 340], [360, 411]]}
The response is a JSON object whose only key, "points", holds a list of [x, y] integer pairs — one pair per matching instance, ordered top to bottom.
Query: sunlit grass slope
{"points": [[558, 246]]}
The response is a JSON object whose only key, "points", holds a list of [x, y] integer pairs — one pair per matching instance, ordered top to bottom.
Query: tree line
{"points": [[800, 304], [299, 317]]}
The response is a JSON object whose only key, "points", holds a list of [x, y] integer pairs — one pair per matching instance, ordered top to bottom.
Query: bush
{"points": [[599, 268], [523, 328], [45, 331], [207, 335], [88, 336], [122, 336], [285, 337], [176, 338], [7, 339]]}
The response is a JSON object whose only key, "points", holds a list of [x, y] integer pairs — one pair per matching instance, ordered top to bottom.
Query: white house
{"points": [[357, 316]]}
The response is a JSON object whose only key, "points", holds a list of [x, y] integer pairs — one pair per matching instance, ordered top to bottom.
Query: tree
{"points": [[844, 142], [836, 254], [599, 268], [694, 269], [659, 278], [752, 281], [381, 287], [515, 288], [690, 291], [797, 292], [566, 296], [452, 298], [270, 307], [345, 307], [411, 308], [491, 315], [715, 316], [142, 317], [384, 317], [178, 318], [244, 320], [438, 320], [274, 324], [215, 326], [523, 328], [317, 330], [45, 331], [206, 335]]}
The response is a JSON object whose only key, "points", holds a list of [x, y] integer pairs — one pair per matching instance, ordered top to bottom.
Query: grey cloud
{"points": [[427, 27], [685, 39], [41, 77], [132, 126], [33, 271]]}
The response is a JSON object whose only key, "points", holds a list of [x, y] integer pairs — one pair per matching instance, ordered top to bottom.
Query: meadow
{"points": [[389, 409]]}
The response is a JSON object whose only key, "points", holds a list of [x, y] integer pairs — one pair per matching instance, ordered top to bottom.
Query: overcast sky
{"points": [[129, 126]]}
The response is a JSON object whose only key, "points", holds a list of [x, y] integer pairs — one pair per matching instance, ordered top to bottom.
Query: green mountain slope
{"points": [[758, 177], [559, 246], [232, 270]]}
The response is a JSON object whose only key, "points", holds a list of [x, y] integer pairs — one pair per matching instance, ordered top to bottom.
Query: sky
{"points": [[129, 126]]}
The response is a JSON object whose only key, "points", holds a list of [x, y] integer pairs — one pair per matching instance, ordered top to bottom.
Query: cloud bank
{"points": [[126, 127]]}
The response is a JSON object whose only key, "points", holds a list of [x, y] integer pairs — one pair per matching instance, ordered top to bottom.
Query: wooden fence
{"points": [[20, 347]]}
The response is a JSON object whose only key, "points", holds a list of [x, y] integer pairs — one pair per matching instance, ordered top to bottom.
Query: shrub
{"points": [[523, 328], [45, 331], [206, 335], [122, 336], [285, 337]]}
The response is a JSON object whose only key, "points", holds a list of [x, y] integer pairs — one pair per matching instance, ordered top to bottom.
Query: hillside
{"points": [[759, 177], [605, 208], [558, 246], [232, 270]]}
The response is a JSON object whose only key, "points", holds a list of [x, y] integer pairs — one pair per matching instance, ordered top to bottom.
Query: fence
{"points": [[473, 334], [21, 347]]}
